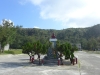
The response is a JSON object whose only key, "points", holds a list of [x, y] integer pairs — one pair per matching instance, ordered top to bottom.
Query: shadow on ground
{"points": [[26, 62], [50, 62], [13, 64]]}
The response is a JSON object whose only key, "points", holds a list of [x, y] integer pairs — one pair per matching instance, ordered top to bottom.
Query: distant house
{"points": [[79, 46], [6, 47]]}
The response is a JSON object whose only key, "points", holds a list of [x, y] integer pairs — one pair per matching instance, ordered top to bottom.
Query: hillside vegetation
{"points": [[17, 36], [88, 37]]}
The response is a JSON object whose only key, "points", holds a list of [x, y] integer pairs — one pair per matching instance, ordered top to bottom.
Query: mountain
{"points": [[89, 37]]}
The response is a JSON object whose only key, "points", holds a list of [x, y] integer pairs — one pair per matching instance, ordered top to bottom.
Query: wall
{"points": [[6, 47]]}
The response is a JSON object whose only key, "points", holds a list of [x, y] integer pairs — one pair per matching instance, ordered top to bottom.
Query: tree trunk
{"points": [[39, 58], [61, 59]]}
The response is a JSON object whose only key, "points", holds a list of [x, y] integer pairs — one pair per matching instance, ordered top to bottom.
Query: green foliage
{"points": [[7, 34], [18, 36], [38, 38], [58, 45], [28, 47], [36, 47], [74, 48], [44, 49], [66, 49], [13, 51], [17, 51], [8, 52]]}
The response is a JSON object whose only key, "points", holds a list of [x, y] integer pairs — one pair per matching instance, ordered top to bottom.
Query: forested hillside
{"points": [[88, 37]]}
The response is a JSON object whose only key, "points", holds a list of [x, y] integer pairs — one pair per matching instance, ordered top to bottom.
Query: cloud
{"points": [[23, 2], [35, 2], [72, 13], [36, 27]]}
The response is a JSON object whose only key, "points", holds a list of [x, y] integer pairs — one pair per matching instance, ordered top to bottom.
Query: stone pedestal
{"points": [[50, 52]]}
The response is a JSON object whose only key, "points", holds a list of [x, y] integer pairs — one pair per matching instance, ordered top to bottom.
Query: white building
{"points": [[79, 46], [6, 47]]}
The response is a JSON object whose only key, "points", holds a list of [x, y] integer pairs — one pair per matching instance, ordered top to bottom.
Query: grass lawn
{"points": [[13, 51]]}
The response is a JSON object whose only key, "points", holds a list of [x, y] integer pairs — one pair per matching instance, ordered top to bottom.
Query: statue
{"points": [[53, 36], [51, 52]]}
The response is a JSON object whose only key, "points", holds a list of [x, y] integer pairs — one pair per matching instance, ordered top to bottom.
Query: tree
{"points": [[8, 32], [71, 35], [57, 45], [28, 47], [35, 47], [44, 49], [67, 50]]}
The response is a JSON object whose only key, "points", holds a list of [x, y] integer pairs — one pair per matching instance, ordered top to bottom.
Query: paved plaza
{"points": [[20, 65]]}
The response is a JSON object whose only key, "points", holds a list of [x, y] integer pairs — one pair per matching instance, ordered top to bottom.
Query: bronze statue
{"points": [[53, 36]]}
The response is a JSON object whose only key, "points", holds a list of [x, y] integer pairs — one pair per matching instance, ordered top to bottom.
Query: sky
{"points": [[51, 14]]}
